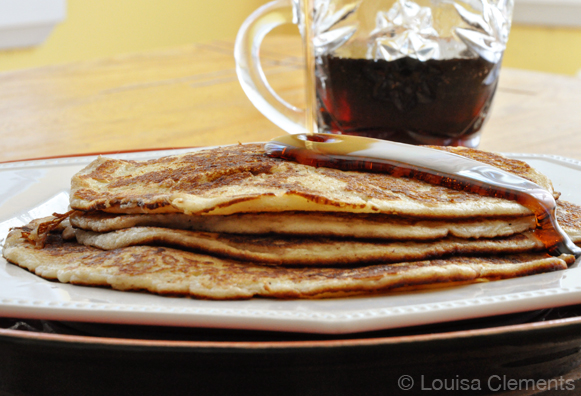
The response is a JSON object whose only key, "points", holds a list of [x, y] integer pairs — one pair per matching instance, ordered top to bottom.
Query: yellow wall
{"points": [[100, 28], [556, 50]]}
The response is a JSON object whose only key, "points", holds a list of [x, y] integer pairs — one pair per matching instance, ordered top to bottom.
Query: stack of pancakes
{"points": [[231, 223]]}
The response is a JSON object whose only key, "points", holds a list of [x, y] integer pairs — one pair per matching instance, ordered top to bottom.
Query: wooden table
{"points": [[191, 97]]}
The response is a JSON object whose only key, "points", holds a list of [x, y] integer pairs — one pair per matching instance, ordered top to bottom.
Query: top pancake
{"points": [[242, 179]]}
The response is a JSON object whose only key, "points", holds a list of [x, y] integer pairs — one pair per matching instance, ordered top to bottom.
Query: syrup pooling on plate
{"points": [[433, 166]]}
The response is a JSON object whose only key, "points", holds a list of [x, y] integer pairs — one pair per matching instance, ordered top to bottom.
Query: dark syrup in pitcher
{"points": [[441, 102]]}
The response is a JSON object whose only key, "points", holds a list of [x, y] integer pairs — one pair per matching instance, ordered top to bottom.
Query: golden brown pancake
{"points": [[242, 179], [569, 218], [328, 224], [280, 229], [271, 249], [290, 250], [170, 271]]}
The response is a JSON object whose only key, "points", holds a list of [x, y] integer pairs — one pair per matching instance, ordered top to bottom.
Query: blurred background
{"points": [[546, 34]]}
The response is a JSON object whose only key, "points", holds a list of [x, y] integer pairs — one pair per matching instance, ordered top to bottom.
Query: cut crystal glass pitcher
{"points": [[420, 72]]}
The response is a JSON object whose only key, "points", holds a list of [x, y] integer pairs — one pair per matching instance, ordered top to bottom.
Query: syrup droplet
{"points": [[353, 153]]}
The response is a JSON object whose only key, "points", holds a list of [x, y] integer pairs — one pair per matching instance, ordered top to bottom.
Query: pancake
{"points": [[242, 179], [569, 218], [232, 223], [328, 224], [287, 250], [306, 251], [170, 271]]}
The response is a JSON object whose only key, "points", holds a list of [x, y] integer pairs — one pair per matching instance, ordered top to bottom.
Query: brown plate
{"points": [[472, 357]]}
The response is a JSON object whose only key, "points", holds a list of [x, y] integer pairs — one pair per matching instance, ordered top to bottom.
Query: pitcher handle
{"points": [[249, 70]]}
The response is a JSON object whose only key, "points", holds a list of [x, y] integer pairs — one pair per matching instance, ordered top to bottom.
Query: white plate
{"points": [[38, 188]]}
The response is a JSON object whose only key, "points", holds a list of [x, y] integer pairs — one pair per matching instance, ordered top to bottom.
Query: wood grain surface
{"points": [[190, 96]]}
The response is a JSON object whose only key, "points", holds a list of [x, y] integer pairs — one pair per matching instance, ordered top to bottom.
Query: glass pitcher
{"points": [[420, 72]]}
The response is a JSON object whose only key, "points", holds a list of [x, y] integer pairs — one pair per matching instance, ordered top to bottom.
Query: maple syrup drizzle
{"points": [[353, 153]]}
